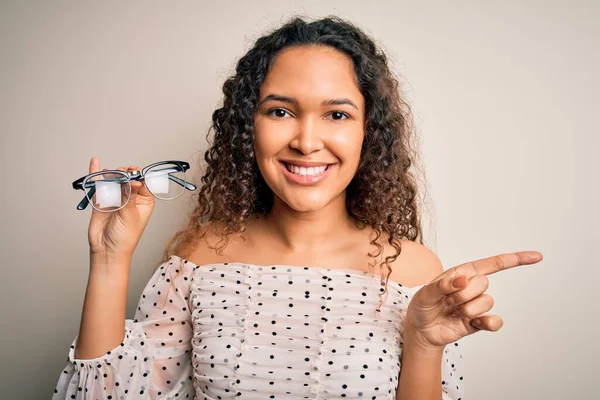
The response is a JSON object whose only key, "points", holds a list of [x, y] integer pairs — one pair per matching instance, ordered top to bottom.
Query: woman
{"points": [[302, 273]]}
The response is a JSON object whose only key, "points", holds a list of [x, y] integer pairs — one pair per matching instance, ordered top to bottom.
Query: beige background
{"points": [[505, 96]]}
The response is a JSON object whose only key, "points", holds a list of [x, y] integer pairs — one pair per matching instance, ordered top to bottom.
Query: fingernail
{"points": [[455, 282]]}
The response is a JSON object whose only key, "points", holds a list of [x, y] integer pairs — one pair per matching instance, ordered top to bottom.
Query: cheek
{"points": [[268, 138], [347, 146]]}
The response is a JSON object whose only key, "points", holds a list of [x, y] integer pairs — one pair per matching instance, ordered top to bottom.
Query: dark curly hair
{"points": [[383, 192]]}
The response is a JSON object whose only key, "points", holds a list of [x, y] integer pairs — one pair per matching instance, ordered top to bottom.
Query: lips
{"points": [[306, 164]]}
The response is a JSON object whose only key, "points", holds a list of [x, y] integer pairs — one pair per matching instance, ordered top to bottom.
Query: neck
{"points": [[299, 231]]}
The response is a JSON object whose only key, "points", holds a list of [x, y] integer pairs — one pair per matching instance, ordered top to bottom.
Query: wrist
{"points": [[108, 257], [109, 265], [414, 342], [421, 373]]}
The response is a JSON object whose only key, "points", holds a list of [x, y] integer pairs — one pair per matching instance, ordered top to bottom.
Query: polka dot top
{"points": [[221, 331]]}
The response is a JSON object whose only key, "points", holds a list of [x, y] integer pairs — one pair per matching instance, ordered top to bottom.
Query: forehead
{"points": [[312, 72]]}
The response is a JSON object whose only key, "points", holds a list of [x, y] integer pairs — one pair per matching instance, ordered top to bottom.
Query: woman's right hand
{"points": [[115, 235]]}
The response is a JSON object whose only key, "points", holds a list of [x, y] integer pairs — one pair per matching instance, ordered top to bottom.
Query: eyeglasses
{"points": [[109, 191]]}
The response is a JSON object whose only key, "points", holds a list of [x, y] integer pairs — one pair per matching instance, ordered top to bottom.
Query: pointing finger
{"points": [[501, 262]]}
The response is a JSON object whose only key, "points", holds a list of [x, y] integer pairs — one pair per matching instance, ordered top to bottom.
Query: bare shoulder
{"points": [[204, 251], [416, 264]]}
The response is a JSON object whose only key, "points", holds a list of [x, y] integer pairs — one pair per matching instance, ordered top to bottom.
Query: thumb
{"points": [[134, 187], [140, 189], [143, 190], [140, 195], [436, 291]]}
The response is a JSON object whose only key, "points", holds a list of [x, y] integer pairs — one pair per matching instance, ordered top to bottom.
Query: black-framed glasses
{"points": [[110, 190]]}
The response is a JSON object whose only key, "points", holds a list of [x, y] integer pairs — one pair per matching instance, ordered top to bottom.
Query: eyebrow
{"points": [[292, 100]]}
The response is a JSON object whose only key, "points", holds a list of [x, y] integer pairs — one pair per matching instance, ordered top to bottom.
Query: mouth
{"points": [[306, 175]]}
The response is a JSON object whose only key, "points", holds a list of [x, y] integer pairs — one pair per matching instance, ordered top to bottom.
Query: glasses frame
{"points": [[82, 183]]}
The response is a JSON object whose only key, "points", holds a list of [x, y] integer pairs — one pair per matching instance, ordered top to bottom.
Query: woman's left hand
{"points": [[451, 305]]}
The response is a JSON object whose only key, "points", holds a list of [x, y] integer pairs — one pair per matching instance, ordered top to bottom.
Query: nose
{"points": [[307, 138]]}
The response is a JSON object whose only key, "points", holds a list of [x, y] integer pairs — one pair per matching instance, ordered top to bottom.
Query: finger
{"points": [[94, 165], [135, 185], [140, 186], [137, 188], [501, 262], [477, 285], [475, 307], [490, 323]]}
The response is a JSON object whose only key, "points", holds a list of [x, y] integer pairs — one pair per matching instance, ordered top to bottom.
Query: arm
{"points": [[103, 318], [152, 360], [426, 373], [421, 374]]}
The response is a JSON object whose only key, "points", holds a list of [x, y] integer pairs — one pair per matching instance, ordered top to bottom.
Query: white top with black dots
{"points": [[236, 330]]}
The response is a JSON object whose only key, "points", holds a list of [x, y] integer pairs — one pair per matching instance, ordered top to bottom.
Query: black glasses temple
{"points": [[185, 184], [84, 202]]}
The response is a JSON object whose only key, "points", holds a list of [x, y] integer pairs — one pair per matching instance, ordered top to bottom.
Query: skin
{"points": [[306, 129], [308, 225]]}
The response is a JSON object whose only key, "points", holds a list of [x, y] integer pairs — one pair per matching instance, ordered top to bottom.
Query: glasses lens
{"points": [[165, 181], [108, 191]]}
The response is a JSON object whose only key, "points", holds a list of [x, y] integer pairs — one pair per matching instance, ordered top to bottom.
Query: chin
{"points": [[307, 202], [304, 206]]}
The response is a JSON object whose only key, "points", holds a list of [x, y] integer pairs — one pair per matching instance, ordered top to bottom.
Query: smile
{"points": [[304, 171], [306, 175]]}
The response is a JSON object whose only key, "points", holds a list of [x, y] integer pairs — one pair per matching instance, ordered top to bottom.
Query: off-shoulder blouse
{"points": [[237, 330]]}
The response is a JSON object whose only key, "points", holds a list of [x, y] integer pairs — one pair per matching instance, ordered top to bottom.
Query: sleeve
{"points": [[154, 359], [452, 372]]}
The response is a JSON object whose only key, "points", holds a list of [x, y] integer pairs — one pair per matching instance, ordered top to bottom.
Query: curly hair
{"points": [[382, 194]]}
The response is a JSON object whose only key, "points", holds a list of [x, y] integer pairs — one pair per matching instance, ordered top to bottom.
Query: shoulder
{"points": [[205, 248], [198, 249], [416, 265]]}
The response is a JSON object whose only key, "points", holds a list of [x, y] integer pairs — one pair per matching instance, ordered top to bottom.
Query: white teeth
{"points": [[312, 171]]}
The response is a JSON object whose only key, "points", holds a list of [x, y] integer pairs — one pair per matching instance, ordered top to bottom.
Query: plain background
{"points": [[505, 97]]}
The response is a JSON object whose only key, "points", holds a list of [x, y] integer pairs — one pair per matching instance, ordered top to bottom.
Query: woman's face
{"points": [[309, 127]]}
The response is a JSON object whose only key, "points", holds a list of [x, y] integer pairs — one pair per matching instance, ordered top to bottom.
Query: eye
{"points": [[278, 113], [338, 115]]}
